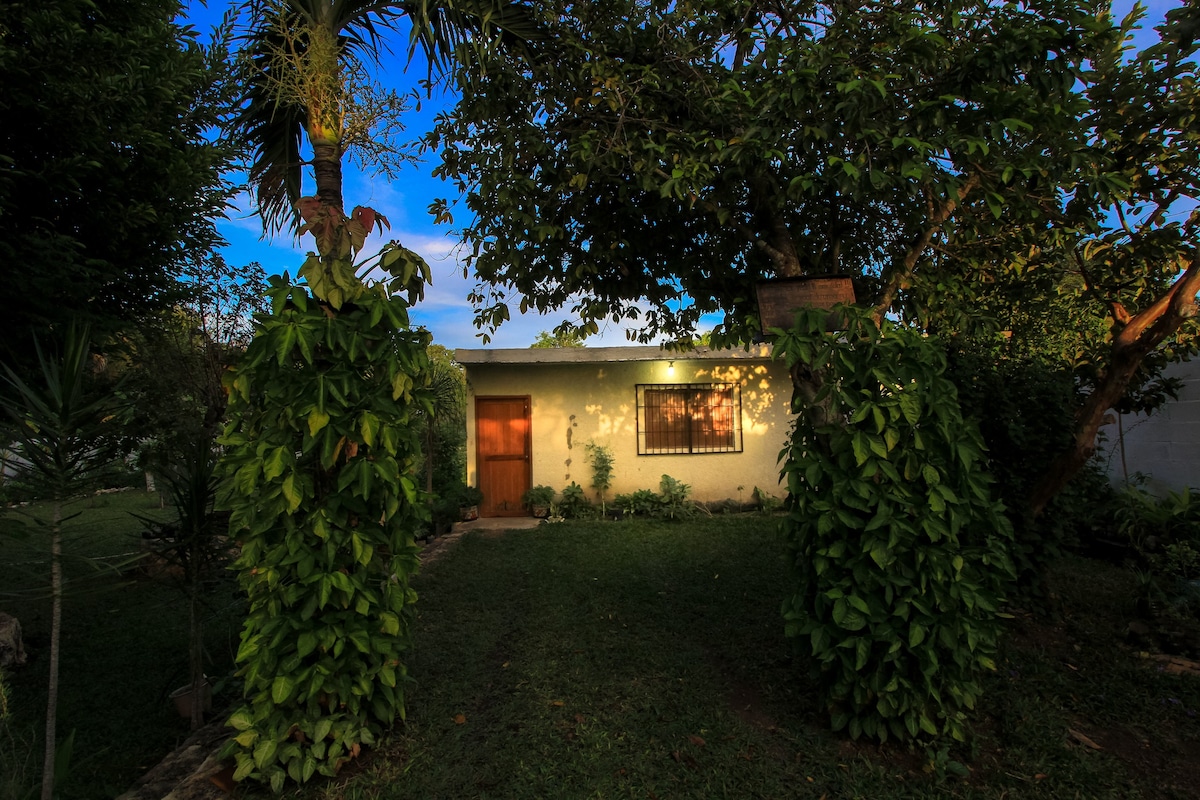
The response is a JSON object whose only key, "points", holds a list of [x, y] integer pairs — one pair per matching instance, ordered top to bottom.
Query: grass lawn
{"points": [[124, 648], [631, 659], [646, 660]]}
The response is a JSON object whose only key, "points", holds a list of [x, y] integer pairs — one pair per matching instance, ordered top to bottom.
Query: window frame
{"points": [[690, 393]]}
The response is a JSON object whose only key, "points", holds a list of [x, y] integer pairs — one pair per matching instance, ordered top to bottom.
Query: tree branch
{"points": [[936, 219]]}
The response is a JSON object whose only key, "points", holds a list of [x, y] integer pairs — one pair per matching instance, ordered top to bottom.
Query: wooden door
{"points": [[503, 454]]}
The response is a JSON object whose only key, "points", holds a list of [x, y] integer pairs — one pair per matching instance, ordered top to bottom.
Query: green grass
{"points": [[124, 648], [632, 659], [647, 660]]}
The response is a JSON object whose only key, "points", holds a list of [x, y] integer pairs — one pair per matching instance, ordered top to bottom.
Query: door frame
{"points": [[521, 511]]}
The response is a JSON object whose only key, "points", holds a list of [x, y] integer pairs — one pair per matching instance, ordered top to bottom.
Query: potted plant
{"points": [[539, 499], [468, 505]]}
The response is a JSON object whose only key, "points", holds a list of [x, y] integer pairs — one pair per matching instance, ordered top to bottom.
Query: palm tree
{"points": [[300, 61], [311, 708]]}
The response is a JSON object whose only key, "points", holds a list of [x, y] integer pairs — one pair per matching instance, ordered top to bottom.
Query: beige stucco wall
{"points": [[576, 403]]}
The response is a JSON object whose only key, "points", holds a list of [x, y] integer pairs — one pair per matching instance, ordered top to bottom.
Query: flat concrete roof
{"points": [[592, 355]]}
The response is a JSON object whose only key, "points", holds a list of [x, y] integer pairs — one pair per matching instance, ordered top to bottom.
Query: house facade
{"points": [[714, 419]]}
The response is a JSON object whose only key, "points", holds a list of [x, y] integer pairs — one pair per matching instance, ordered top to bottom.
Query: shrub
{"points": [[1023, 403], [601, 460], [541, 496], [673, 500], [573, 503], [643, 503], [898, 553]]}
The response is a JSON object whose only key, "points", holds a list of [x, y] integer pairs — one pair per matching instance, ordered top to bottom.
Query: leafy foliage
{"points": [[652, 161], [111, 177], [546, 340], [173, 363], [63, 432], [600, 458], [320, 475], [539, 496], [673, 496], [573, 502], [670, 502], [639, 503], [898, 552]]}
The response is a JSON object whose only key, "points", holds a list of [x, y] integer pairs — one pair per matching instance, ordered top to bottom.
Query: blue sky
{"points": [[404, 201]]}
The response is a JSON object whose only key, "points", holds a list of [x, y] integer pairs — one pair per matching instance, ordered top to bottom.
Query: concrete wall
{"points": [[577, 403], [1165, 445]]}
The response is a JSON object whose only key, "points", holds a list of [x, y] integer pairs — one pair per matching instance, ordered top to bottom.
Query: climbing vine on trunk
{"points": [[320, 473], [899, 556]]}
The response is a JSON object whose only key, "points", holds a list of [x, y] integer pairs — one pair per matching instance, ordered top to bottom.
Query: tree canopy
{"points": [[652, 162], [109, 183]]}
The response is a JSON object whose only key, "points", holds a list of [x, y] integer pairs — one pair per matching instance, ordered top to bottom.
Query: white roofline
{"points": [[590, 355]]}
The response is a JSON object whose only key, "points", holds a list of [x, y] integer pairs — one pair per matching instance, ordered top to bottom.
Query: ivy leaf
{"points": [[317, 420], [291, 492], [281, 689]]}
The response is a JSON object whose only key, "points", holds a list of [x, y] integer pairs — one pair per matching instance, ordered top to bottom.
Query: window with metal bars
{"points": [[689, 418]]}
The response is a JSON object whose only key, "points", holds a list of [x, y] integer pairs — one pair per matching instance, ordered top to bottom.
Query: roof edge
{"points": [[594, 355]]}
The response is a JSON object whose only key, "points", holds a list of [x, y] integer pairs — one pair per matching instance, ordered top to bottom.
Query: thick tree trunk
{"points": [[1141, 334]]}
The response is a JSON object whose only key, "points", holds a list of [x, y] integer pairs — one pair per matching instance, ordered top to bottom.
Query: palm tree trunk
{"points": [[327, 171]]}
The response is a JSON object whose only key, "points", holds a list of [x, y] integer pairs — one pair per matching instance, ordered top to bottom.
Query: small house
{"points": [[713, 419]]}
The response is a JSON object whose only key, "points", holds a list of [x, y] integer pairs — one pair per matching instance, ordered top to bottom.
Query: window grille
{"points": [[689, 418]]}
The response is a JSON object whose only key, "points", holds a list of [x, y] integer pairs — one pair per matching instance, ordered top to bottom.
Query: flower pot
{"points": [[541, 512], [468, 513], [182, 697]]}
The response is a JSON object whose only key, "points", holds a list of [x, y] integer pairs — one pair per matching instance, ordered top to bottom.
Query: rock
{"points": [[12, 648], [187, 773]]}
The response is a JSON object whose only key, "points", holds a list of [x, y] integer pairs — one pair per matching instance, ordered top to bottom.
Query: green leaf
{"points": [[317, 420], [368, 426], [861, 447], [274, 464], [931, 475], [291, 492], [916, 635], [306, 643], [862, 653], [281, 689], [240, 720], [264, 752], [245, 766]]}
